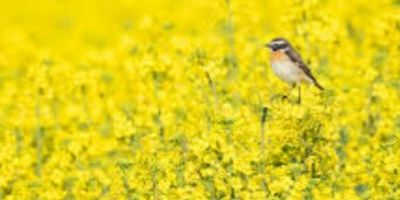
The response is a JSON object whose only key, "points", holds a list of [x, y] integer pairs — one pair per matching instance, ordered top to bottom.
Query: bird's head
{"points": [[278, 44]]}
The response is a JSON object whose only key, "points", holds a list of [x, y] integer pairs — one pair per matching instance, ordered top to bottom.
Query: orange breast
{"points": [[277, 55]]}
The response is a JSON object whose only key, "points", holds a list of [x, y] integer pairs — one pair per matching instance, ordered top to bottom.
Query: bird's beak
{"points": [[267, 45]]}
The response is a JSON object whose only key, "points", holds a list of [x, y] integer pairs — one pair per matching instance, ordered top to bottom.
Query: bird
{"points": [[288, 65]]}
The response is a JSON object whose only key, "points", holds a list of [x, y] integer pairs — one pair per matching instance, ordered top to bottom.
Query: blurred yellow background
{"points": [[164, 99]]}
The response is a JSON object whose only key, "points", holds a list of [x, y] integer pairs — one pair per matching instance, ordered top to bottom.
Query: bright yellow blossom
{"points": [[164, 99]]}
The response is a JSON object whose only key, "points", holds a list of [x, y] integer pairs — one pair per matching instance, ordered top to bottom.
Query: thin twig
{"points": [[213, 89], [263, 120], [161, 132], [38, 135]]}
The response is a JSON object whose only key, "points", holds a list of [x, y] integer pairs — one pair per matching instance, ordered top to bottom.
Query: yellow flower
{"points": [[164, 100]]}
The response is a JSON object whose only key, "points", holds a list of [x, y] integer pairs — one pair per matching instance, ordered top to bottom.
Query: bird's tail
{"points": [[318, 85]]}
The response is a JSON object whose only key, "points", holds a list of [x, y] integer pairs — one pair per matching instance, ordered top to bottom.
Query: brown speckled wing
{"points": [[296, 58]]}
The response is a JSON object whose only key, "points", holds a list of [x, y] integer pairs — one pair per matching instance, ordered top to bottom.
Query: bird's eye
{"points": [[275, 46], [282, 46]]}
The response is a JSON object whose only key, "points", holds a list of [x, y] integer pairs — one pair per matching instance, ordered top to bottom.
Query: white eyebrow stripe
{"points": [[278, 42]]}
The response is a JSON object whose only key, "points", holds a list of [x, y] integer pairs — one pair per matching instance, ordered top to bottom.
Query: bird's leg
{"points": [[290, 90], [299, 96]]}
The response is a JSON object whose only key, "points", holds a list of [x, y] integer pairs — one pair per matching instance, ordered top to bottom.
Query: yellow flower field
{"points": [[173, 99]]}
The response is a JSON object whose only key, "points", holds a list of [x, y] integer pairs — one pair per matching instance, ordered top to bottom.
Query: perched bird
{"points": [[288, 65]]}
